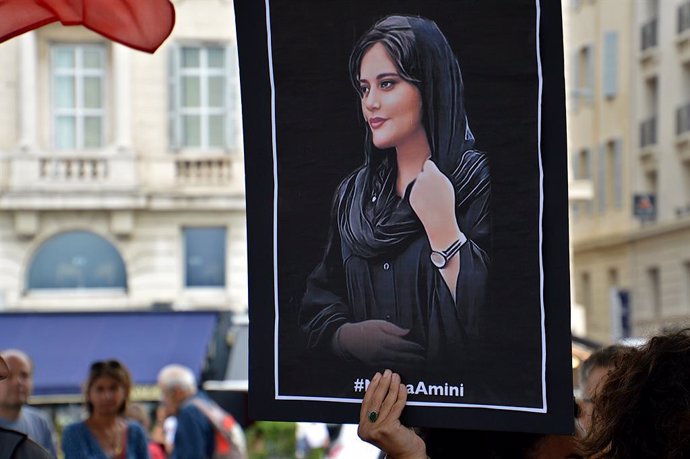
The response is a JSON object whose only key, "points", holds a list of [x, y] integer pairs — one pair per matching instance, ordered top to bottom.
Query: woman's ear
{"points": [[4, 369]]}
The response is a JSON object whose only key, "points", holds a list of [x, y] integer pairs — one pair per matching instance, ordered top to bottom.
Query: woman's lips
{"points": [[376, 123]]}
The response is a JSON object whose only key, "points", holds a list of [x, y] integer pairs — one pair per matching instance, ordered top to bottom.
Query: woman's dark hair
{"points": [[395, 34], [424, 58], [366, 204], [113, 369], [643, 409]]}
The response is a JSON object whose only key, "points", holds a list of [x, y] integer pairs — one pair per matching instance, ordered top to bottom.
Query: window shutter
{"points": [[610, 64], [590, 71], [576, 80], [174, 97], [232, 100], [575, 162], [618, 174], [588, 175], [601, 182]]}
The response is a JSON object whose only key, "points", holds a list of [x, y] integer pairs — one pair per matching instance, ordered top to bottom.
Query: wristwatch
{"points": [[440, 259]]}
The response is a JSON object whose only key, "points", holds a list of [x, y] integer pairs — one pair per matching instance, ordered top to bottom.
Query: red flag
{"points": [[139, 24]]}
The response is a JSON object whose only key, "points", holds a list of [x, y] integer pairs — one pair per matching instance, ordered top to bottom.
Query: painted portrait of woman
{"points": [[407, 197], [405, 272]]}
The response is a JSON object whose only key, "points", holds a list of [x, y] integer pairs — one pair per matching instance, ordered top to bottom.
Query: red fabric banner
{"points": [[142, 25]]}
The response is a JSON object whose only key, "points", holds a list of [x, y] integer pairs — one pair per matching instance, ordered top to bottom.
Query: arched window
{"points": [[77, 260]]}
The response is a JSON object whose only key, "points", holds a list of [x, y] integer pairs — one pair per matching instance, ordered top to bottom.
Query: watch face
{"points": [[437, 259]]}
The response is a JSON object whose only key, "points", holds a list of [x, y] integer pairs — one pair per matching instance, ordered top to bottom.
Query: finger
{"points": [[392, 329], [403, 345], [378, 393], [368, 395], [391, 397], [397, 407]]}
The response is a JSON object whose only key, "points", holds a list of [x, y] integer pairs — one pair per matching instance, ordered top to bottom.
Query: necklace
{"points": [[109, 439]]}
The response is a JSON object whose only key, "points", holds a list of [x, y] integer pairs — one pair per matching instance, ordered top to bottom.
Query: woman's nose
{"points": [[371, 101]]}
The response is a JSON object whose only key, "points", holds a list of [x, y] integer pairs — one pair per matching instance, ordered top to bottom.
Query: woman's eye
{"points": [[387, 84], [363, 90]]}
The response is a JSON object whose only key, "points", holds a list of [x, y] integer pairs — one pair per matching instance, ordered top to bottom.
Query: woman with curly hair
{"points": [[643, 409]]}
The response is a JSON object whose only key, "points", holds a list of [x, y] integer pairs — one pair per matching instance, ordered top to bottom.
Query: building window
{"points": [[683, 17], [649, 31], [583, 75], [78, 96], [204, 98], [683, 111], [648, 127], [582, 170], [650, 179], [610, 186], [205, 257], [77, 260], [686, 284], [654, 285], [586, 293]]}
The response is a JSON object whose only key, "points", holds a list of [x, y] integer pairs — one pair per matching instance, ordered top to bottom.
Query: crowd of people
{"points": [[634, 403], [188, 424]]}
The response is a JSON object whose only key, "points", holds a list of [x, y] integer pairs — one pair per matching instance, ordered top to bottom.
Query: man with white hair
{"points": [[14, 394], [204, 430]]}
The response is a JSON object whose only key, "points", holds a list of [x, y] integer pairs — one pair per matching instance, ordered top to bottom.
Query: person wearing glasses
{"points": [[106, 433]]}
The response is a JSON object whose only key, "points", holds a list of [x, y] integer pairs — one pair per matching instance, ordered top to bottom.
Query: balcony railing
{"points": [[684, 17], [649, 34], [683, 119], [648, 132], [73, 169], [205, 171]]}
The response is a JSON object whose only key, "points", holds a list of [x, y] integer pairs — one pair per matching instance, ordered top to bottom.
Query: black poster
{"points": [[407, 209]]}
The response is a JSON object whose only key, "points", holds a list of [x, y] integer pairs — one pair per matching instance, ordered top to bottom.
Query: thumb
{"points": [[392, 329]]}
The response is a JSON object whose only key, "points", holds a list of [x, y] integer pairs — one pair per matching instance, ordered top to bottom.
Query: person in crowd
{"points": [[593, 374], [15, 391], [643, 408], [140, 413], [204, 429], [106, 433], [310, 436], [17, 445]]}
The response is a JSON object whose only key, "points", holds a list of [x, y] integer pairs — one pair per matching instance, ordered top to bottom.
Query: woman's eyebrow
{"points": [[381, 76]]}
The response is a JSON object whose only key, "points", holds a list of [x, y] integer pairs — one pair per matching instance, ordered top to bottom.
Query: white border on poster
{"points": [[542, 409]]}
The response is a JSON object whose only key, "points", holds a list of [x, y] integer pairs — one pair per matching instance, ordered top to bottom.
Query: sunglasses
{"points": [[111, 364]]}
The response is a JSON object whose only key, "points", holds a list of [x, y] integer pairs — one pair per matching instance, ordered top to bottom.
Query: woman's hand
{"points": [[433, 200], [379, 343], [386, 397]]}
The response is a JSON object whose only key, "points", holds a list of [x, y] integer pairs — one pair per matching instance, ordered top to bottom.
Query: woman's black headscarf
{"points": [[370, 215]]}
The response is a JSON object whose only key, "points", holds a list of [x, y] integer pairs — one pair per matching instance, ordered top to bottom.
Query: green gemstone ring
{"points": [[373, 416]]}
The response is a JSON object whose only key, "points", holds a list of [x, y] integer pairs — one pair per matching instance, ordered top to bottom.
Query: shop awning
{"points": [[63, 345]]}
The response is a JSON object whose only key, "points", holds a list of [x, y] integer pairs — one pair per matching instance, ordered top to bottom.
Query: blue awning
{"points": [[63, 345]]}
